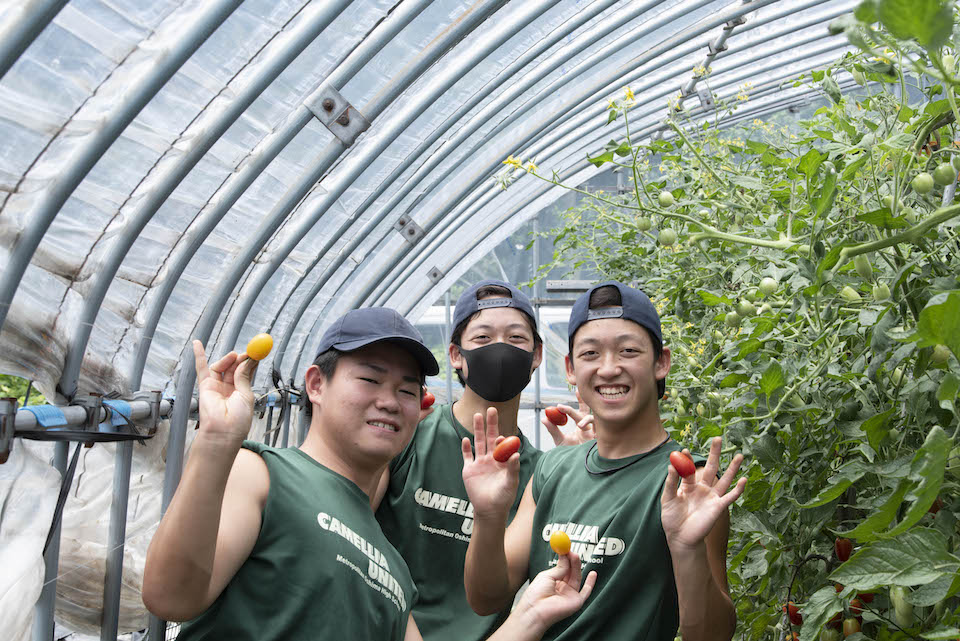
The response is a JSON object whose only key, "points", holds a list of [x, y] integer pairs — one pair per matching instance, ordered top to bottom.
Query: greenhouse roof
{"points": [[217, 168]]}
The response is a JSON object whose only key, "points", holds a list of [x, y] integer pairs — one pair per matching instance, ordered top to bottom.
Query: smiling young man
{"points": [[425, 512], [268, 544], [659, 549]]}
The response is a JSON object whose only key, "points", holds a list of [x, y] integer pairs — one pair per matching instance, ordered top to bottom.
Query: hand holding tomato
{"points": [[225, 397], [585, 431], [491, 485], [690, 511], [556, 593]]}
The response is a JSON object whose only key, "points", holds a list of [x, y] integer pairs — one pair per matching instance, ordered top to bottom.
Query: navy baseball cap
{"points": [[468, 304], [635, 306], [361, 327]]}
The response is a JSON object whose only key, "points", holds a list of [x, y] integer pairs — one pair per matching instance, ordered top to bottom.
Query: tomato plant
{"points": [[811, 279], [556, 416], [506, 448]]}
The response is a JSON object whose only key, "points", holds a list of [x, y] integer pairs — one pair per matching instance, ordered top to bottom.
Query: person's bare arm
{"points": [[214, 518], [696, 522]]}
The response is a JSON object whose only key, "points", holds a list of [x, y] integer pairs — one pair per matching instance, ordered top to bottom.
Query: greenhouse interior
{"points": [[772, 181]]}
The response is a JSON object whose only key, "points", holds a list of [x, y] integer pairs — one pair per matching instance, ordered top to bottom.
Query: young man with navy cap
{"points": [[425, 512], [263, 543], [657, 543]]}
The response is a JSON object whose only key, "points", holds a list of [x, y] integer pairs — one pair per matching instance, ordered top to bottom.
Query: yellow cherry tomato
{"points": [[259, 346], [560, 543]]}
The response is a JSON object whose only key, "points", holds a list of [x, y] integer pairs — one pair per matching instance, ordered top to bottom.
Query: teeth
{"points": [[613, 391], [385, 426]]}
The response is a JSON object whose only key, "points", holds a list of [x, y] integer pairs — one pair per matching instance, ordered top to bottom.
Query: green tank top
{"points": [[426, 514], [612, 515], [320, 568]]}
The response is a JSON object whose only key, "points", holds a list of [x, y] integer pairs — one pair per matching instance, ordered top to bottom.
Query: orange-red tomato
{"points": [[259, 346], [427, 400], [555, 415], [506, 449], [683, 464], [560, 542], [842, 548], [866, 597], [856, 607], [793, 613], [850, 626]]}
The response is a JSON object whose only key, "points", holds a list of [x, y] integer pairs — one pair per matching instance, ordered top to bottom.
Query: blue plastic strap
{"points": [[121, 411], [47, 415]]}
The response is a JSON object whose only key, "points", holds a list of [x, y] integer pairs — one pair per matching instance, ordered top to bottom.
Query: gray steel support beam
{"points": [[18, 33], [303, 33], [444, 77], [90, 151], [259, 160], [115, 540], [43, 610]]}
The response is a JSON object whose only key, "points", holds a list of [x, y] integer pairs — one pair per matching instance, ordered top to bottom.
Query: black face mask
{"points": [[498, 371]]}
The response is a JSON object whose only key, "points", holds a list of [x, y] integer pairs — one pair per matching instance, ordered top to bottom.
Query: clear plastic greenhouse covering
{"points": [[214, 169], [166, 172]]}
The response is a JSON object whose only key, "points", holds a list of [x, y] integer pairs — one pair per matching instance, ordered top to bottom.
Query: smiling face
{"points": [[612, 363], [367, 410]]}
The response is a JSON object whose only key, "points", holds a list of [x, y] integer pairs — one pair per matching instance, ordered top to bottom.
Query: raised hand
{"points": [[226, 397], [586, 430], [491, 485], [690, 511], [556, 593]]}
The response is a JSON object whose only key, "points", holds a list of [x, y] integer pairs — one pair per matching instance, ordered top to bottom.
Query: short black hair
{"points": [[489, 291], [609, 296], [326, 362]]}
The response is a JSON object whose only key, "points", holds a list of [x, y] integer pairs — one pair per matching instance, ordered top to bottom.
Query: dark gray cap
{"points": [[468, 304], [635, 306], [361, 327]]}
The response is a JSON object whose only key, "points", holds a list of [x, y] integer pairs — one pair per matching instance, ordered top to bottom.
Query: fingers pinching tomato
{"points": [[259, 346], [427, 400], [555, 415], [507, 448], [683, 464], [560, 542]]}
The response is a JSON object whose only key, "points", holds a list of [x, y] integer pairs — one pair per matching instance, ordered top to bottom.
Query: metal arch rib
{"points": [[20, 33], [302, 36], [423, 147], [90, 151], [260, 158], [353, 166], [475, 204], [449, 224], [187, 377]]}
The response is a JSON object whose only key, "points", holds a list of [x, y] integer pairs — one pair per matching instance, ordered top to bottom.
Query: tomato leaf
{"points": [[929, 22], [602, 158], [809, 163], [882, 218], [712, 299], [939, 322], [772, 379], [733, 380], [947, 392], [876, 428], [926, 477], [838, 484], [867, 529], [917, 557], [931, 593], [818, 609], [941, 633]]}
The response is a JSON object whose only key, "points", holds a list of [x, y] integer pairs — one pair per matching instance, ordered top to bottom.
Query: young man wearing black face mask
{"points": [[425, 511]]}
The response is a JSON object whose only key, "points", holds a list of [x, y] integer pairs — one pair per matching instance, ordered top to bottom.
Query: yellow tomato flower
{"points": [[628, 92], [513, 162], [531, 166]]}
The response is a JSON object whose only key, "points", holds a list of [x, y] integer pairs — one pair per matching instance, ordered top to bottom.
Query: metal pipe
{"points": [[19, 32], [443, 79], [138, 94], [201, 138], [260, 158], [411, 261], [447, 337], [287, 410], [76, 415], [269, 425], [115, 540], [43, 610]]}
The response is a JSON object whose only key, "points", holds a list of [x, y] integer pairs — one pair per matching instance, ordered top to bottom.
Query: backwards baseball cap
{"points": [[468, 304], [634, 305], [361, 327]]}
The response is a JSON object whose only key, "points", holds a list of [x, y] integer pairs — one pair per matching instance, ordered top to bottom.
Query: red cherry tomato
{"points": [[259, 346], [427, 400], [555, 415], [506, 449], [683, 464], [935, 506], [842, 548], [866, 597], [856, 607], [793, 613], [836, 621]]}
